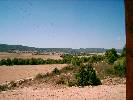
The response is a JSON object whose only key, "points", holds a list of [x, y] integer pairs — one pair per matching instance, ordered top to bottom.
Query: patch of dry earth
{"points": [[102, 92]]}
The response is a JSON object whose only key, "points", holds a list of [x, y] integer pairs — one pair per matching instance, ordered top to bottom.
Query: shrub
{"points": [[111, 55], [120, 67], [67, 68], [120, 70], [56, 71], [109, 71], [39, 76], [87, 76], [61, 80], [72, 83], [13, 84], [3, 87]]}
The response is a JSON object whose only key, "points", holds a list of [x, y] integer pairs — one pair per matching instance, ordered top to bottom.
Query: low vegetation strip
{"points": [[110, 57], [67, 59]]}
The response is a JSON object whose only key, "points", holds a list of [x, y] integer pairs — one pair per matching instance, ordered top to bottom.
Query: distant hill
{"points": [[9, 48]]}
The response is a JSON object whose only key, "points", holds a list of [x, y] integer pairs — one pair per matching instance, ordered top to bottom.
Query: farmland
{"points": [[5, 55], [17, 72], [64, 76]]}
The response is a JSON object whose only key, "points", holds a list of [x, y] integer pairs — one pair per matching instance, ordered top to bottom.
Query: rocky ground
{"points": [[111, 88], [48, 92]]}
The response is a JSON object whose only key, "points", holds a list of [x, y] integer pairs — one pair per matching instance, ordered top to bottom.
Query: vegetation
{"points": [[111, 55], [67, 59], [33, 61], [120, 67], [56, 71], [78, 72], [72, 76], [87, 76], [3, 87]]}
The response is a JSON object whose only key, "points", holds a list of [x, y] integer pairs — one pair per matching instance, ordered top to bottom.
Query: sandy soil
{"points": [[5, 55], [10, 73], [47, 91], [102, 92]]}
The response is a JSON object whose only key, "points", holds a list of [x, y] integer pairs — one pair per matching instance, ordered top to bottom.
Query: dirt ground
{"points": [[5, 55], [16, 72], [47, 92]]}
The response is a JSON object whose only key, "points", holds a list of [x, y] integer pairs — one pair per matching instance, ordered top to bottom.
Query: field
{"points": [[5, 55], [16, 72], [39, 89], [46, 91]]}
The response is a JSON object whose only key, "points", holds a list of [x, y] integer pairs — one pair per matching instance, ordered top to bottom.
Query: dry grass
{"points": [[102, 68]]}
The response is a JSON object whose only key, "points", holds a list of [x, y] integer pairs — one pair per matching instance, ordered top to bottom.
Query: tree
{"points": [[111, 55], [9, 62], [87, 76]]}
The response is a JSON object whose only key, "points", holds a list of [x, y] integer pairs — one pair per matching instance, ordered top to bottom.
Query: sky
{"points": [[63, 23]]}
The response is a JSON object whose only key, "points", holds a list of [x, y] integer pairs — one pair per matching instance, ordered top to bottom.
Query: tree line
{"points": [[110, 57], [67, 59]]}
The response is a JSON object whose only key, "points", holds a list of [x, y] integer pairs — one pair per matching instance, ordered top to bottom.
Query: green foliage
{"points": [[111, 55], [67, 59], [32, 61], [76, 61], [120, 67], [67, 68], [56, 71], [87, 76], [72, 83], [13, 84], [3, 87]]}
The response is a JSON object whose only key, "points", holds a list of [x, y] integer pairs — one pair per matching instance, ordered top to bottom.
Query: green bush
{"points": [[111, 55], [120, 67], [67, 68], [120, 70], [56, 71], [87, 76], [72, 83], [13, 84], [3, 87]]}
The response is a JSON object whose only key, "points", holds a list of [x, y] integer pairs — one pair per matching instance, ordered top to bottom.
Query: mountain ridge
{"points": [[9, 48]]}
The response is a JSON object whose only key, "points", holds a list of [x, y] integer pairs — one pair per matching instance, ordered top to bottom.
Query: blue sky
{"points": [[63, 23]]}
